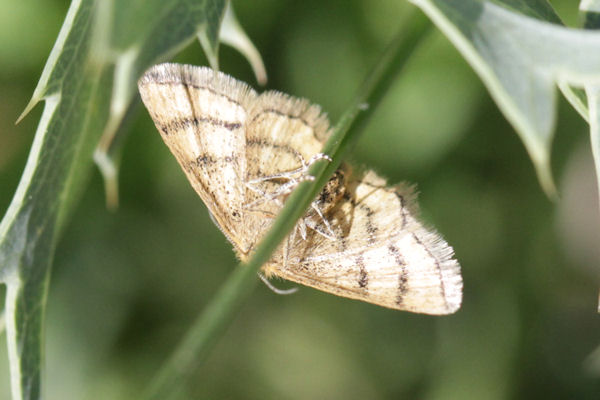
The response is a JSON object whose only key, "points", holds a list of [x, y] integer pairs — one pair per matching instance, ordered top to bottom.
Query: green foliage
{"points": [[521, 55], [87, 85], [514, 274]]}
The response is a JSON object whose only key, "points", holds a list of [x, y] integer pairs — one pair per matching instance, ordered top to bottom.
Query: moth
{"points": [[244, 153]]}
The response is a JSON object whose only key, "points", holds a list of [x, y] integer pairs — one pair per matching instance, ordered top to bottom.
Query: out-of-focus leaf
{"points": [[589, 6], [539, 9], [591, 10], [591, 14], [166, 27], [170, 30], [233, 35], [521, 54], [87, 85], [593, 95]]}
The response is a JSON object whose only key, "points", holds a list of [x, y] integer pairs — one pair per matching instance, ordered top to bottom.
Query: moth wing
{"points": [[201, 115], [283, 131], [283, 134], [383, 254]]}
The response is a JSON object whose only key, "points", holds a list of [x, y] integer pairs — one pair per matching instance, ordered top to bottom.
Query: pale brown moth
{"points": [[245, 152]]}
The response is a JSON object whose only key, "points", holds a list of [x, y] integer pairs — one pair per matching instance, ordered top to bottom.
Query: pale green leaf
{"points": [[590, 6], [591, 10], [172, 28], [233, 35], [522, 58], [87, 86]]}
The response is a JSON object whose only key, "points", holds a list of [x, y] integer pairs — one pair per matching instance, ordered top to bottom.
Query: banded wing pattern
{"points": [[202, 119], [243, 153], [384, 255]]}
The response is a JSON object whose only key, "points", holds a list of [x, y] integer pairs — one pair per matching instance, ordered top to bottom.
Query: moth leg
{"points": [[315, 158], [306, 165], [303, 169], [280, 175], [291, 176], [289, 186], [284, 189], [274, 196], [264, 197], [301, 226], [329, 234], [288, 245], [286, 249], [275, 289]]}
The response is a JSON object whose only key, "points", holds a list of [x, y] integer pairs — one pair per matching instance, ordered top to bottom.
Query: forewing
{"points": [[201, 115], [282, 131], [283, 134], [383, 254]]}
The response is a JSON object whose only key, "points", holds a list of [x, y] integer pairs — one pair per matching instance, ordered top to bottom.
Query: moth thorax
{"points": [[332, 192]]}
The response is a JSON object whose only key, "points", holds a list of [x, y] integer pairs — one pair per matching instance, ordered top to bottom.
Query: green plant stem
{"points": [[221, 310]]}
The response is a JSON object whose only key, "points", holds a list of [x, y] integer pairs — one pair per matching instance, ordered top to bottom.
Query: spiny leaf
{"points": [[170, 26], [233, 35], [521, 57], [87, 85]]}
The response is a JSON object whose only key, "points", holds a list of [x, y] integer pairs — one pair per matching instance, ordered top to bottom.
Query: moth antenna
{"points": [[275, 289]]}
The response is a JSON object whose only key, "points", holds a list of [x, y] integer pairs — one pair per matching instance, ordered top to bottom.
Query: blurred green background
{"points": [[127, 285]]}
